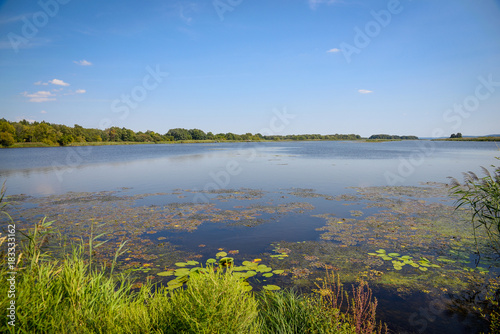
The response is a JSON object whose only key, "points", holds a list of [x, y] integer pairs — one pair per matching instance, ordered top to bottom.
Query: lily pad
{"points": [[221, 254], [211, 260], [192, 263], [181, 264], [278, 271], [166, 273], [267, 275], [271, 287]]}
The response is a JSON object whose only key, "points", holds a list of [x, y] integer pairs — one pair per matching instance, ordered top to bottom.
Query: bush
{"points": [[6, 139]]}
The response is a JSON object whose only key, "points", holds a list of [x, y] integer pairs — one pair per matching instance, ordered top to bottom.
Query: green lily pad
{"points": [[380, 251], [221, 254], [394, 254], [386, 258], [211, 260], [192, 263], [181, 264], [240, 268], [422, 268], [278, 271], [181, 272], [166, 273], [267, 275], [175, 286], [271, 287]]}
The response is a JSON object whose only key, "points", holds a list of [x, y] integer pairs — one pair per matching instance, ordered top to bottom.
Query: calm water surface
{"points": [[328, 167]]}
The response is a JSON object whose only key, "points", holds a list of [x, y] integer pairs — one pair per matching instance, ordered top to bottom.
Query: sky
{"points": [[410, 67]]}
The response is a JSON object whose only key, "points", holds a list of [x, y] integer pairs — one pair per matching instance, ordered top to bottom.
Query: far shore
{"points": [[76, 144]]}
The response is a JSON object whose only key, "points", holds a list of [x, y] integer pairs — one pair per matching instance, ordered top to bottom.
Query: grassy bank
{"points": [[469, 139]]}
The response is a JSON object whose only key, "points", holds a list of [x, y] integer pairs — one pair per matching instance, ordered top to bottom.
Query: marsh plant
{"points": [[482, 197]]}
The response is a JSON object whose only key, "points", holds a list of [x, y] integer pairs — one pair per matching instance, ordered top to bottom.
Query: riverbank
{"points": [[469, 139], [77, 144]]}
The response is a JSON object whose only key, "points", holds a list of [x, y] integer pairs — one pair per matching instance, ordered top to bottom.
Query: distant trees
{"points": [[57, 134], [458, 135], [384, 136]]}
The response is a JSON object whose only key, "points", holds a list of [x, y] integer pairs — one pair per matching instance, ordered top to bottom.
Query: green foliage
{"points": [[56, 134], [179, 134], [389, 137], [6, 139], [482, 197], [214, 302]]}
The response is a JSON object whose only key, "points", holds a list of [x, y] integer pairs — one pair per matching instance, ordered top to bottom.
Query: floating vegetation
{"points": [[308, 193], [120, 218], [416, 225], [421, 264], [247, 270]]}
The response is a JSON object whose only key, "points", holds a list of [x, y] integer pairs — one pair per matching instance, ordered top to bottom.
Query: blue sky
{"points": [[421, 67]]}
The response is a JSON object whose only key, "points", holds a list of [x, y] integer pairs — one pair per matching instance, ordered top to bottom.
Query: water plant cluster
{"points": [[423, 264]]}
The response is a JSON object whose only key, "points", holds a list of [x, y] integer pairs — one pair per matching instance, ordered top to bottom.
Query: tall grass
{"points": [[482, 197], [72, 295]]}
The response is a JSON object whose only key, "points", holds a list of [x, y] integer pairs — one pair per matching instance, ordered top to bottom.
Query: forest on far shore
{"points": [[62, 135]]}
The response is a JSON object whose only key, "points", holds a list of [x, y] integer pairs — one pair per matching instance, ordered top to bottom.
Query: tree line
{"points": [[57, 134], [383, 136]]}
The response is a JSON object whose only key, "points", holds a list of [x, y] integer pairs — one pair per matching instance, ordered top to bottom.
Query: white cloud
{"points": [[334, 50], [83, 62], [58, 82], [38, 83], [80, 91], [365, 91], [40, 96], [43, 112]]}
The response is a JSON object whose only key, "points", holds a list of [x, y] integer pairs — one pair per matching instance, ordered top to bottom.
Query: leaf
{"points": [[221, 254], [394, 254], [211, 260], [192, 263], [181, 264], [422, 268], [278, 271], [166, 273], [267, 275], [271, 287]]}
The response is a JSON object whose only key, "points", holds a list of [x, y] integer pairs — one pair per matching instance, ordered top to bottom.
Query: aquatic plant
{"points": [[482, 197]]}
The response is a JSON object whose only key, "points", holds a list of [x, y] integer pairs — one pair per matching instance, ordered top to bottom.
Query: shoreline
{"points": [[41, 145]]}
